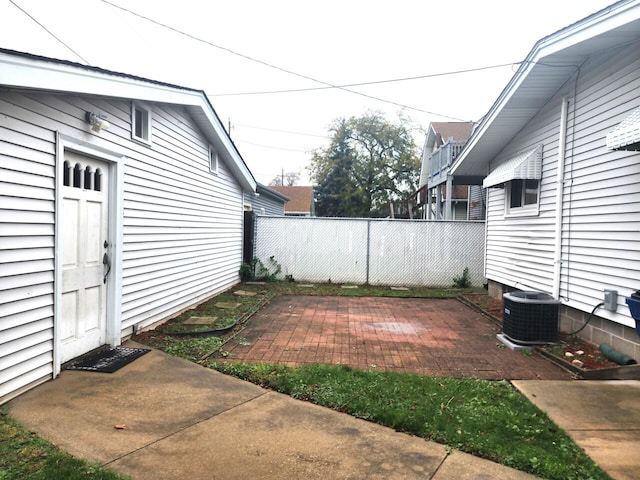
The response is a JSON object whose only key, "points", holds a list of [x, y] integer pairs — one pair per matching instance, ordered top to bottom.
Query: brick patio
{"points": [[436, 337]]}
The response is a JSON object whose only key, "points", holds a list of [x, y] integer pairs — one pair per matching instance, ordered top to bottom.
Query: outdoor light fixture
{"points": [[97, 121]]}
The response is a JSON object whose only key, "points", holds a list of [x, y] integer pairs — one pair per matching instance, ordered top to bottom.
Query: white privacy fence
{"points": [[374, 251]]}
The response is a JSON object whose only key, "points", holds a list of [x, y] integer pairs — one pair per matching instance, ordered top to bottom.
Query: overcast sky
{"points": [[243, 51]]}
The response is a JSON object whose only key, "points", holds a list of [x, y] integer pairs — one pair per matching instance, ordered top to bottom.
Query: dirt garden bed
{"points": [[581, 357]]}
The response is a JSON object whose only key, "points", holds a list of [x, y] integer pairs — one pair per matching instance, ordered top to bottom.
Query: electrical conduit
{"points": [[562, 142]]}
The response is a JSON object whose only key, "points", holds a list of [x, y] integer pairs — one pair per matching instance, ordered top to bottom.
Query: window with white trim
{"points": [[140, 123], [213, 160], [522, 196]]}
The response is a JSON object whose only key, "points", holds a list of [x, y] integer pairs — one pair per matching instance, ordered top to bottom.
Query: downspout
{"points": [[562, 142]]}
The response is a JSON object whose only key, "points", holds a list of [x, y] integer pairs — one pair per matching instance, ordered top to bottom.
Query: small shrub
{"points": [[247, 271], [258, 271], [462, 281]]}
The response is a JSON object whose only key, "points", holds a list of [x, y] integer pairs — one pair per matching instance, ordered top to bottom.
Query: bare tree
{"points": [[288, 179]]}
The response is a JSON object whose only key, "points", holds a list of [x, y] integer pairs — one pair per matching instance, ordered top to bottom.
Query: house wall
{"points": [[601, 203], [264, 204], [182, 225]]}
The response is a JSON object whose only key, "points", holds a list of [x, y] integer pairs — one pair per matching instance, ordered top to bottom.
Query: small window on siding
{"points": [[140, 123], [213, 160], [522, 196]]}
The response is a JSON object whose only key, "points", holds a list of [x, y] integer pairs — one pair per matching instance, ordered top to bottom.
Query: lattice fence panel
{"points": [[314, 249], [381, 252], [425, 253]]}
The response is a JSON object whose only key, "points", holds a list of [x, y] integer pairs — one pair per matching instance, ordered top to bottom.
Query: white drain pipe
{"points": [[562, 143]]}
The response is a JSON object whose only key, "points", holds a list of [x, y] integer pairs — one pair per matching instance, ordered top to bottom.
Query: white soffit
{"points": [[626, 136], [526, 166]]}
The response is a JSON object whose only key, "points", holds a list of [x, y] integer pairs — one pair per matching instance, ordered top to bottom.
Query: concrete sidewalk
{"points": [[602, 417], [186, 421]]}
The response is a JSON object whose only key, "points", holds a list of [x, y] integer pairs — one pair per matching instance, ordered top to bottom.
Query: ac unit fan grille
{"points": [[530, 322]]}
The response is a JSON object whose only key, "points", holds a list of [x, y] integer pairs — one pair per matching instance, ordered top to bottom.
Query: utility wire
{"points": [[48, 31], [290, 72], [375, 82], [280, 131], [269, 146]]}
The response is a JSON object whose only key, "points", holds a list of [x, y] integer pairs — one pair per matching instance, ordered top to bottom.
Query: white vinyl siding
{"points": [[27, 181], [601, 203], [265, 205], [182, 226]]}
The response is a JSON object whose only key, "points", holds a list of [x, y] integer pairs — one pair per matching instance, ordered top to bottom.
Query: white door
{"points": [[85, 255]]}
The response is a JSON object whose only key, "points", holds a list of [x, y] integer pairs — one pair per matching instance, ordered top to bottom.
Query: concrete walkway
{"points": [[603, 417], [184, 421]]}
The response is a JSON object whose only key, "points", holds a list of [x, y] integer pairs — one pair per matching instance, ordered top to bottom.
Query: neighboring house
{"points": [[558, 152], [440, 196], [266, 201], [301, 201], [121, 205]]}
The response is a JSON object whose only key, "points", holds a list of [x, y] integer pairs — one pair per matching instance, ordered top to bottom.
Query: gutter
{"points": [[562, 143]]}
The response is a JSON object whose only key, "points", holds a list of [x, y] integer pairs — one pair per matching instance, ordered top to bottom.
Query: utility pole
{"points": [[282, 179]]}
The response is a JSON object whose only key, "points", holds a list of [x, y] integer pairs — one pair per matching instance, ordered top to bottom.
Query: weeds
{"points": [[259, 272], [462, 281], [192, 349], [23, 455]]}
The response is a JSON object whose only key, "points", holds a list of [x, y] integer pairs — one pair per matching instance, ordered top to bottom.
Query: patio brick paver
{"points": [[437, 337]]}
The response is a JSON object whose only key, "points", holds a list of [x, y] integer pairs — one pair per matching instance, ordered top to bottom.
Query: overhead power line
{"points": [[48, 31], [270, 65], [361, 84], [279, 131], [236, 140]]}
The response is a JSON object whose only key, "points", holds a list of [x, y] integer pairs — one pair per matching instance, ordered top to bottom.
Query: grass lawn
{"points": [[25, 456]]}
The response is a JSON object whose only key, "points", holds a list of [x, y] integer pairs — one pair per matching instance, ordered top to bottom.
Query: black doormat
{"points": [[110, 360]]}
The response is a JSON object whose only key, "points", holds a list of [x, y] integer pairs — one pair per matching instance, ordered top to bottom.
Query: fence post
{"points": [[368, 248]]}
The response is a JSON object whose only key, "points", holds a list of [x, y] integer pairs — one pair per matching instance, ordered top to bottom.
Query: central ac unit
{"points": [[530, 317]]}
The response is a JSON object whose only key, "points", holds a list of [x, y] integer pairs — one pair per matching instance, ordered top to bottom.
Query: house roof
{"points": [[551, 62], [33, 72], [459, 131], [439, 133], [270, 192], [300, 198]]}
